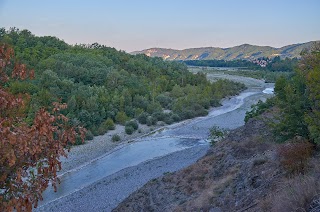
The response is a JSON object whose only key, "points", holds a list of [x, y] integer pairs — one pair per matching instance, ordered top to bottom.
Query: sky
{"points": [[132, 25]]}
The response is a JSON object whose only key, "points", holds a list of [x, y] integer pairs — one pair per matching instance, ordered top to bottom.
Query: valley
{"points": [[170, 149]]}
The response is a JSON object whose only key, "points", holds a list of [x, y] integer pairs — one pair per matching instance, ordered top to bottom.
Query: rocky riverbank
{"points": [[107, 193]]}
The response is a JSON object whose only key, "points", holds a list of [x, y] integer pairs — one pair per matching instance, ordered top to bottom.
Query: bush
{"points": [[164, 100], [214, 103], [154, 107], [259, 108], [138, 112], [201, 112], [187, 114], [160, 116], [175, 117], [121, 118], [143, 118], [151, 120], [168, 120], [109, 124], [133, 124], [102, 129], [129, 130], [216, 134], [89, 135], [115, 138]]}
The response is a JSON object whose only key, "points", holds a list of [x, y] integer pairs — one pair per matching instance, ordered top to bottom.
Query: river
{"points": [[189, 135]]}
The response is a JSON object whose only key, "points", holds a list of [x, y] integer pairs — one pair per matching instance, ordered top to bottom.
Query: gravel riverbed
{"points": [[107, 193]]}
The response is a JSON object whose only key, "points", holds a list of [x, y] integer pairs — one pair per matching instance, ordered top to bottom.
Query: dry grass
{"points": [[294, 156], [296, 194], [203, 201]]}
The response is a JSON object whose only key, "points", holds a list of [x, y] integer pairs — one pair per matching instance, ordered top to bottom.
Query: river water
{"points": [[171, 139]]}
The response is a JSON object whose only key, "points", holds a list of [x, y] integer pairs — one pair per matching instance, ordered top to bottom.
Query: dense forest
{"points": [[273, 65], [103, 86]]}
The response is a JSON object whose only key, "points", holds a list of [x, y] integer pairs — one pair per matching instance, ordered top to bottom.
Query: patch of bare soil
{"points": [[240, 173]]}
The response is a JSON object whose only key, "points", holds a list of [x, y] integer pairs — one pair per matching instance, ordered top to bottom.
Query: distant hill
{"points": [[245, 51]]}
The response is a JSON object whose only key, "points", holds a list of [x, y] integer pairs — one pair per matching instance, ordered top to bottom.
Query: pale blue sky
{"points": [[139, 24]]}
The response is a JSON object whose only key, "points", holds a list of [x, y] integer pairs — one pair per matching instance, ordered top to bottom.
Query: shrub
{"points": [[164, 100], [214, 103], [154, 107], [259, 108], [138, 112], [201, 112], [187, 114], [160, 116], [121, 117], [175, 117], [143, 118], [151, 120], [168, 120], [109, 124], [133, 124], [102, 129], [129, 130], [216, 134], [89, 135], [115, 138], [295, 154]]}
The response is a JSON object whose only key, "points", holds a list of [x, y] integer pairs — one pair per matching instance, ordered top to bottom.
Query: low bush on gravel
{"points": [[129, 129], [116, 137]]}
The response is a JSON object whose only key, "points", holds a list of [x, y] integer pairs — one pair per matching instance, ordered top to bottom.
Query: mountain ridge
{"points": [[243, 51]]}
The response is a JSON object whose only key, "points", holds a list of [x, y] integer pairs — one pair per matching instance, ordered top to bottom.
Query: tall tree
{"points": [[310, 69]]}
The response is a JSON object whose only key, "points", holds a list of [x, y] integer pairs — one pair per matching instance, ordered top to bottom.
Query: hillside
{"points": [[245, 51], [103, 87]]}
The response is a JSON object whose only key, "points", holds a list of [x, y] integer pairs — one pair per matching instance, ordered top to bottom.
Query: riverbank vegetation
{"points": [[275, 64], [270, 72], [267, 76], [103, 86], [297, 99]]}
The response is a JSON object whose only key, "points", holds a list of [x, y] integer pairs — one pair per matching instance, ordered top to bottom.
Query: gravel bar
{"points": [[107, 193]]}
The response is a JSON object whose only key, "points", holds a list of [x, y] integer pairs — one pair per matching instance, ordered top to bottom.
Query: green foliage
{"points": [[222, 63], [274, 65], [286, 65], [102, 85], [298, 99], [164, 100], [293, 103], [259, 108], [121, 118], [142, 118], [151, 120], [109, 124], [133, 124], [129, 129], [216, 134], [115, 138]]}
